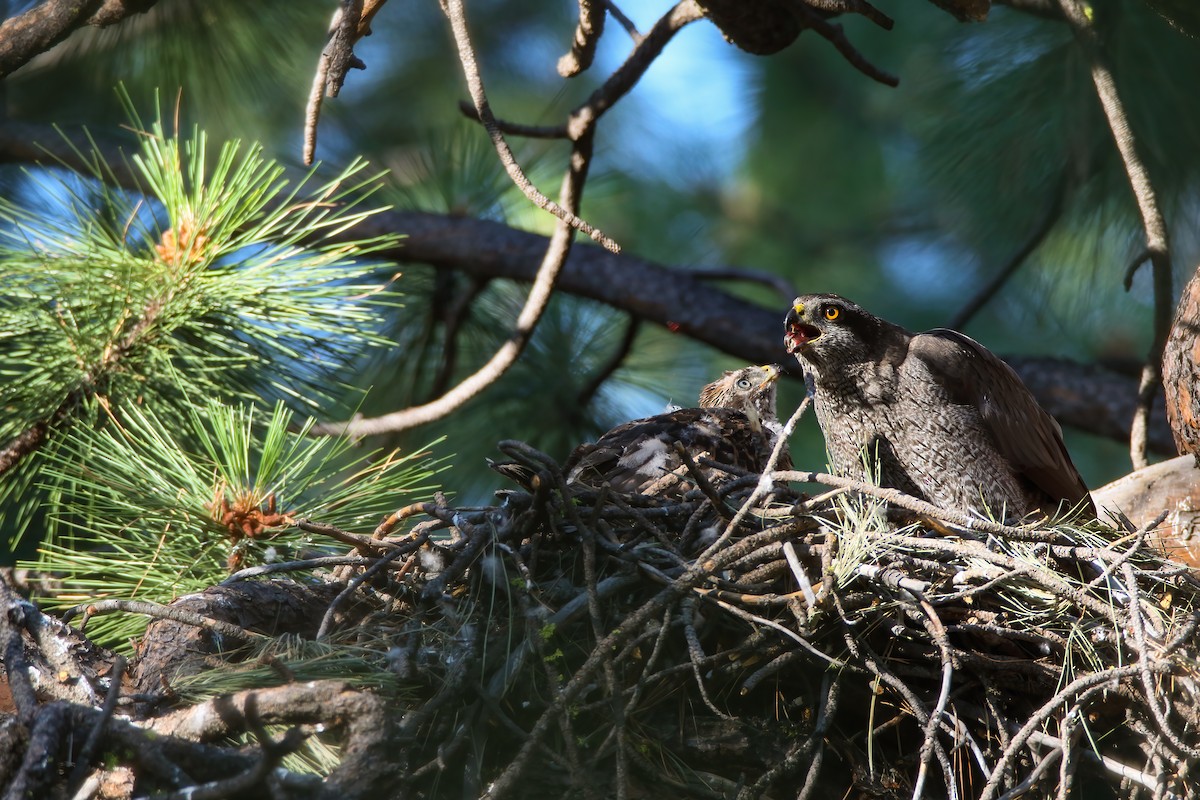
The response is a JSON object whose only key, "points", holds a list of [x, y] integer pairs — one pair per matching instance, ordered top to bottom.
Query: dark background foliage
{"points": [[907, 199]]}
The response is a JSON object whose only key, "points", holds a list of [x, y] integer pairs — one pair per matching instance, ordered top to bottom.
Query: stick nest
{"points": [[571, 642]]}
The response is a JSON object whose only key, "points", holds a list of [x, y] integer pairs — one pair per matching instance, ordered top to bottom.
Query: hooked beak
{"points": [[798, 333], [773, 372]]}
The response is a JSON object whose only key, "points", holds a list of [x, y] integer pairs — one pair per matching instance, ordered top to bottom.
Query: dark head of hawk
{"points": [[938, 415], [736, 425]]}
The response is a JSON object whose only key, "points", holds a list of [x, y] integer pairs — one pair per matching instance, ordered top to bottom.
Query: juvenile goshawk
{"points": [[943, 418], [736, 425]]}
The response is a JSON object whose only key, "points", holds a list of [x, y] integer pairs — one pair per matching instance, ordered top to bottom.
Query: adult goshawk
{"points": [[936, 413]]}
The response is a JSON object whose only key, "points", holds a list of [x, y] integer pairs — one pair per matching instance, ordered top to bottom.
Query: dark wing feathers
{"points": [[1022, 431]]}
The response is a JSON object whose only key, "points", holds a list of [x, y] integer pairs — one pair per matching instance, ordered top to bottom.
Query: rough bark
{"points": [[46, 24], [1181, 370], [1087, 397], [1173, 487], [273, 608]]}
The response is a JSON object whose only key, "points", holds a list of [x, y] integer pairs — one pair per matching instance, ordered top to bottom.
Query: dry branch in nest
{"points": [[581, 643]]}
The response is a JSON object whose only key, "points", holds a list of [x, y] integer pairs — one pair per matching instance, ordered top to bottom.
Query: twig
{"points": [[855, 7], [351, 21], [624, 21], [587, 36], [837, 37], [466, 54], [584, 117], [517, 128], [1152, 220], [1032, 242], [553, 260], [453, 318], [503, 358], [611, 364], [702, 481], [765, 481], [910, 503], [642, 519], [364, 544], [789, 551], [306, 565], [1049, 579], [358, 580], [687, 608], [14, 611], [160, 611], [664, 627], [629, 628], [937, 632], [782, 661], [836, 663], [1144, 663], [876, 665], [610, 675], [502, 678], [1096, 681], [825, 715], [44, 742], [800, 750], [271, 752], [84, 759], [1110, 764], [1041, 768]]}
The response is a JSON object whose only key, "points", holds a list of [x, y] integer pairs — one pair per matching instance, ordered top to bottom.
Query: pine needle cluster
{"points": [[168, 335]]}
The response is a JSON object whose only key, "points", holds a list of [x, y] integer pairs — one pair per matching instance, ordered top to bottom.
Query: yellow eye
{"points": [[832, 312]]}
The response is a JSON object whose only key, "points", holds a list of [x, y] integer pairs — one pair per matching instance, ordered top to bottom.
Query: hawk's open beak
{"points": [[798, 332]]}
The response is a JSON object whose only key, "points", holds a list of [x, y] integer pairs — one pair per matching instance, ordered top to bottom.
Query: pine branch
{"points": [[37, 30], [1084, 396]]}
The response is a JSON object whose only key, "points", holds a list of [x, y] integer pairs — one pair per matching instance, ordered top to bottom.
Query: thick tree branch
{"points": [[50, 22], [1152, 220], [1084, 396], [1090, 398]]}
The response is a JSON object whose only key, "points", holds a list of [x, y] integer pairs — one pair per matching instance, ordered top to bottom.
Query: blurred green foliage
{"points": [[906, 199]]}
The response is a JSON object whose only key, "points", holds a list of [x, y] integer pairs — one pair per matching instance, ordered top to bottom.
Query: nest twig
{"points": [[570, 642]]}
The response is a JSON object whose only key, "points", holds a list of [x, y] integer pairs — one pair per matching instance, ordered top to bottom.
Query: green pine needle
{"points": [[222, 279], [149, 516]]}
